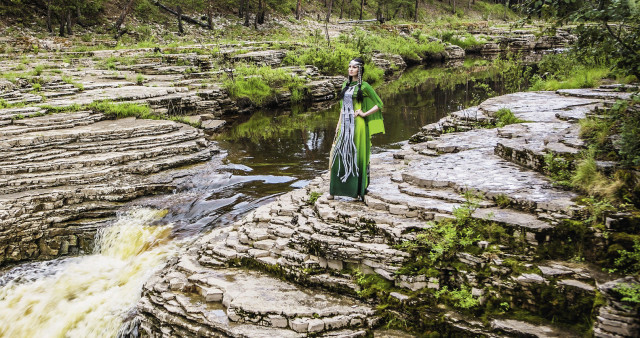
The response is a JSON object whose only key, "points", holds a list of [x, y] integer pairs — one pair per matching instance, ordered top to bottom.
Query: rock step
{"points": [[595, 93], [18, 98], [8, 114], [24, 126], [99, 131], [527, 144], [95, 154], [97, 159], [170, 161], [494, 178], [22, 182], [448, 195], [432, 208], [52, 212], [189, 291]]}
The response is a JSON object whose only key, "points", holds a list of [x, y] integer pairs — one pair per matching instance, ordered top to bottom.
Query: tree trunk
{"points": [[454, 7], [241, 8], [361, 8], [341, 9], [298, 10], [329, 10], [125, 11], [247, 12], [210, 14], [415, 18], [62, 22], [69, 23], [49, 27], [180, 29]]}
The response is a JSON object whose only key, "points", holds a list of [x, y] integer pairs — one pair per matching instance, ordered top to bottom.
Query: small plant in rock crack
{"points": [[559, 169], [313, 197], [442, 240], [461, 298]]}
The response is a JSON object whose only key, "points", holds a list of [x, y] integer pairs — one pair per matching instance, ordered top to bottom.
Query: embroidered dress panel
{"points": [[345, 148]]}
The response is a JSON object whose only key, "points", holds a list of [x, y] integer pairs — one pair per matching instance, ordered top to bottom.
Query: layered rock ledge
{"points": [[63, 175], [522, 267]]}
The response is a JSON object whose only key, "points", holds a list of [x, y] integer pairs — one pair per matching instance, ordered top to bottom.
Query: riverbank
{"points": [[74, 97], [459, 234]]}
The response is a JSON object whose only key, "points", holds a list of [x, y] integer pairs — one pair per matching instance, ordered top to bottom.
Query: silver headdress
{"points": [[360, 66]]}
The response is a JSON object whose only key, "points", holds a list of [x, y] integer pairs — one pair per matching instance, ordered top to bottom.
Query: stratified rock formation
{"points": [[62, 175], [519, 273]]}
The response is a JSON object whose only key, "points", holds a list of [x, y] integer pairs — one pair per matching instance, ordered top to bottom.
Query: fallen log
{"points": [[183, 17], [381, 20]]}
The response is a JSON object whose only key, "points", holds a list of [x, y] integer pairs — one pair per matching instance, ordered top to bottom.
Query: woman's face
{"points": [[353, 70]]}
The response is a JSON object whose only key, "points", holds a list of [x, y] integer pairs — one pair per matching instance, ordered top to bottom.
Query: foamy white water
{"points": [[88, 296]]}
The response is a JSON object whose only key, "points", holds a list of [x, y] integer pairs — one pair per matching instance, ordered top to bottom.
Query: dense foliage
{"points": [[607, 30]]}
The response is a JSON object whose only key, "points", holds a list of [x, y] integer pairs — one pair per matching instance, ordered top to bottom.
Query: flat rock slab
{"points": [[126, 93], [249, 301]]}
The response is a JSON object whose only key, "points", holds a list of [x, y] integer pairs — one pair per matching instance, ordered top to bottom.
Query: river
{"points": [[264, 155]]}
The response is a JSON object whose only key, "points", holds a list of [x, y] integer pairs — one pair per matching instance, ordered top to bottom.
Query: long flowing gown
{"points": [[347, 180]]}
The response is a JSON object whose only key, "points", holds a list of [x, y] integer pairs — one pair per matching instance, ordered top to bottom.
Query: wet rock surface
{"points": [[63, 175], [319, 242]]}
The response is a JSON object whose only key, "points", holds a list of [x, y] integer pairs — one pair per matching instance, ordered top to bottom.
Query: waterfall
{"points": [[87, 296]]}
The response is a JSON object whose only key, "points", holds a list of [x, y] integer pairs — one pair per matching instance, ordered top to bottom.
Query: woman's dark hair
{"points": [[350, 79]]}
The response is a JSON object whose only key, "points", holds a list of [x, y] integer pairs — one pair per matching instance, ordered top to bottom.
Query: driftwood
{"points": [[183, 17]]}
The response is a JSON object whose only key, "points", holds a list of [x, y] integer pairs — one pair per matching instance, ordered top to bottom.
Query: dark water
{"points": [[272, 152]]}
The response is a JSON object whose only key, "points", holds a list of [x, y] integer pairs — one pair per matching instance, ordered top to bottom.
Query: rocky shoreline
{"points": [[65, 174], [329, 245]]}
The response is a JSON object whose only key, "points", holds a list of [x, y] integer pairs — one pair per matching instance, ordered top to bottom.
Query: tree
{"points": [[329, 10], [125, 11], [607, 30]]}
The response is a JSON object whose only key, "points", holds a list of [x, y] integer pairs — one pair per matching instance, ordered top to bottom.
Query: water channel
{"points": [[263, 155]]}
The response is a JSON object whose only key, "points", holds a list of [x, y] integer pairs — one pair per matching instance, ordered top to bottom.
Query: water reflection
{"points": [[297, 143]]}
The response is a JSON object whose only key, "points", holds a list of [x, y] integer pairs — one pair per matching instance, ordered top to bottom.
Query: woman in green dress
{"points": [[360, 117]]}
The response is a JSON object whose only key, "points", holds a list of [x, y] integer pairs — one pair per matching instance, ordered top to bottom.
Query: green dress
{"points": [[356, 182]]}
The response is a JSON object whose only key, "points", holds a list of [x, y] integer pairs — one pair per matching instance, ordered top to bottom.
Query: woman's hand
{"points": [[359, 113]]}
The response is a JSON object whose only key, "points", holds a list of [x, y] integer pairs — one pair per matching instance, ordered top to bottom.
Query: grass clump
{"points": [[37, 70], [561, 71], [69, 80], [259, 84], [122, 110], [504, 116], [629, 261], [372, 285], [629, 293]]}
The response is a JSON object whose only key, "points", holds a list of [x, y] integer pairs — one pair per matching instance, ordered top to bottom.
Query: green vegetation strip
{"points": [[111, 109]]}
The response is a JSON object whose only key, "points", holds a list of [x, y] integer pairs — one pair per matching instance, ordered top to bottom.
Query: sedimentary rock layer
{"points": [[62, 175], [308, 238]]}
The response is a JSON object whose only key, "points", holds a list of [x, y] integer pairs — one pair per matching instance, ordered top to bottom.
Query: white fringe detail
{"points": [[344, 146]]}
